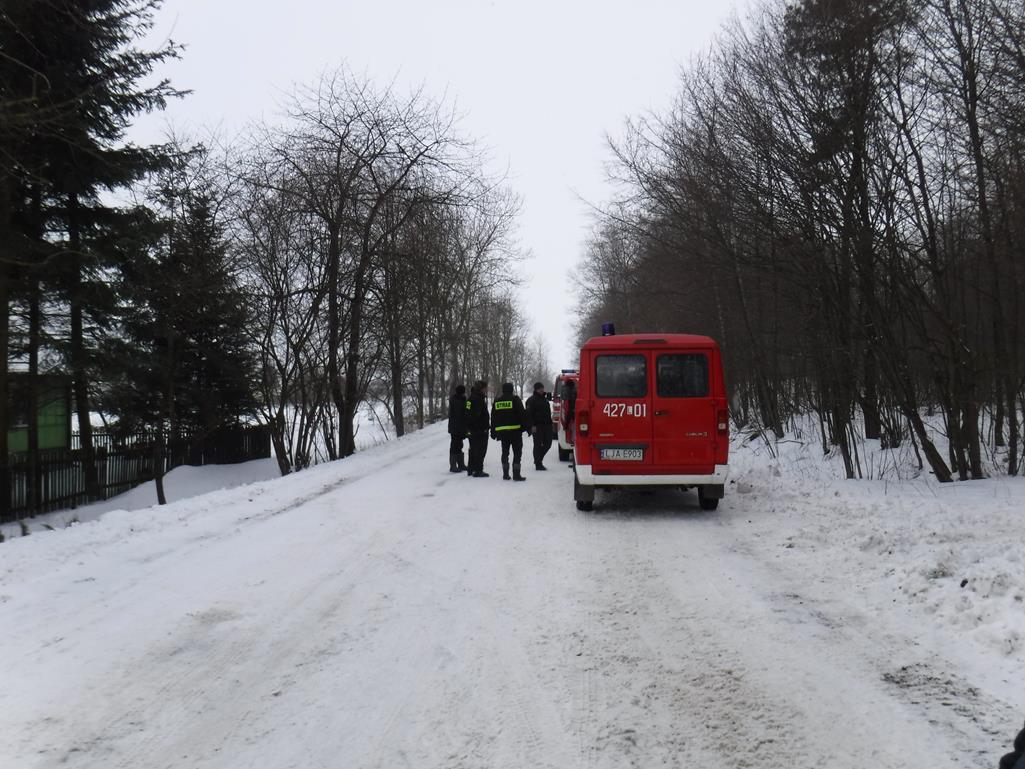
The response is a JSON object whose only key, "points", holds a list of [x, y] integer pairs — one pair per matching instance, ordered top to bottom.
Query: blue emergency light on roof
{"points": [[608, 329]]}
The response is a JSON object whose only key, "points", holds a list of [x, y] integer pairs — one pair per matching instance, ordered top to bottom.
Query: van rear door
{"points": [[620, 419], [684, 427]]}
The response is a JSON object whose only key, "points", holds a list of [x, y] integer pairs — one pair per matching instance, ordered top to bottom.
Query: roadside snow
{"points": [[373, 428], [181, 483], [953, 552], [381, 612]]}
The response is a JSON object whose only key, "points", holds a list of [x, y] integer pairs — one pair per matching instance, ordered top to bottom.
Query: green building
{"points": [[53, 414]]}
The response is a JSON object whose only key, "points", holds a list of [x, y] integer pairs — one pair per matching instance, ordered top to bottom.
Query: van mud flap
{"points": [[714, 491], [582, 493]]}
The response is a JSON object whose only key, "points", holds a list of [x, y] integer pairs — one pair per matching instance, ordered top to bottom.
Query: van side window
{"points": [[621, 376], [682, 376]]}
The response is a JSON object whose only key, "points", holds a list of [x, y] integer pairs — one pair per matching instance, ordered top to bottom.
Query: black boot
{"points": [[453, 464], [461, 465], [539, 467], [505, 471], [481, 474], [516, 474]]}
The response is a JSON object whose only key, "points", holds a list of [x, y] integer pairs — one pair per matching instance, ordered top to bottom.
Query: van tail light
{"points": [[723, 421], [583, 423]]}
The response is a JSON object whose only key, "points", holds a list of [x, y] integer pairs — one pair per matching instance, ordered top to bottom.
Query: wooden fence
{"points": [[122, 461]]}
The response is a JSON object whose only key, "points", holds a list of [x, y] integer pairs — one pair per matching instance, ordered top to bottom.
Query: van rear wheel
{"points": [[563, 455], [706, 500], [585, 506]]}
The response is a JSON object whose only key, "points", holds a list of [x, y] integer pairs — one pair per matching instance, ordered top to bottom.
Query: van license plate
{"points": [[629, 455]]}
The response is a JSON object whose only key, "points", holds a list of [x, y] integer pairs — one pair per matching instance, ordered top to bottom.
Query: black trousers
{"points": [[516, 442], [542, 443], [456, 446], [478, 448]]}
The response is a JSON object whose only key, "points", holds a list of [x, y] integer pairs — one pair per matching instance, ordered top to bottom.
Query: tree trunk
{"points": [[966, 39], [6, 259], [867, 294], [333, 337], [78, 357], [421, 381], [350, 398], [398, 417], [998, 417], [166, 418], [1012, 429], [970, 433], [932, 454], [158, 465], [35, 480]]}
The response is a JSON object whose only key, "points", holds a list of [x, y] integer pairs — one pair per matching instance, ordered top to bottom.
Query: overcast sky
{"points": [[541, 84]]}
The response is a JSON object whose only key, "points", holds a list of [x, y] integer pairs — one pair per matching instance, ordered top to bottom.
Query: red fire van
{"points": [[651, 411], [562, 437]]}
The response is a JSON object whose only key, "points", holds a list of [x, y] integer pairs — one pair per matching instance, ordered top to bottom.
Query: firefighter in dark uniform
{"points": [[539, 418], [508, 423], [477, 425], [457, 429]]}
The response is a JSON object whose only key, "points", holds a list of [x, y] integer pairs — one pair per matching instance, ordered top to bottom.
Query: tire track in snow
{"points": [[743, 679], [591, 684], [672, 711], [974, 723]]}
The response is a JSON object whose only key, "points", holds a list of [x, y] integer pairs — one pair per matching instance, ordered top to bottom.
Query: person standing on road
{"points": [[569, 409], [539, 418], [508, 423], [477, 425], [457, 429]]}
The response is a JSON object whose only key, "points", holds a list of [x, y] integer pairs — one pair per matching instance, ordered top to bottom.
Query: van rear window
{"points": [[621, 376], [682, 376]]}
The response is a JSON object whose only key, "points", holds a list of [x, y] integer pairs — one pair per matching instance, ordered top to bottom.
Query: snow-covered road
{"points": [[379, 612]]}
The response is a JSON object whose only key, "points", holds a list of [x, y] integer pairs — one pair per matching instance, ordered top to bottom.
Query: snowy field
{"points": [[380, 612]]}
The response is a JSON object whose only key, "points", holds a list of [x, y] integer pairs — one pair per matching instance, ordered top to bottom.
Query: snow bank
{"points": [[373, 428], [181, 483], [148, 528], [951, 554]]}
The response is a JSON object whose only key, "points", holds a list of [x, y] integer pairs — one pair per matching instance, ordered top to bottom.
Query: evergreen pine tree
{"points": [[77, 64], [184, 353]]}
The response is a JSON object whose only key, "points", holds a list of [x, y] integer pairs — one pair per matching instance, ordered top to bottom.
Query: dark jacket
{"points": [[539, 412], [457, 415], [508, 416], [477, 421], [1015, 760]]}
